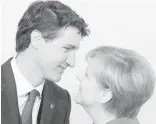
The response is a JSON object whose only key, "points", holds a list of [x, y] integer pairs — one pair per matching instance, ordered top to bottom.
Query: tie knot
{"points": [[33, 94]]}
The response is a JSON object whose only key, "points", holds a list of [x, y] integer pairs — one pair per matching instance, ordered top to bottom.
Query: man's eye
{"points": [[67, 48]]}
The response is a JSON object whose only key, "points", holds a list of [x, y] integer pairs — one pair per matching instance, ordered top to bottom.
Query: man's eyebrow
{"points": [[72, 46]]}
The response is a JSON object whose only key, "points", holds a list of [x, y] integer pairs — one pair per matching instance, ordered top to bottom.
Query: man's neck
{"points": [[29, 69], [99, 115]]}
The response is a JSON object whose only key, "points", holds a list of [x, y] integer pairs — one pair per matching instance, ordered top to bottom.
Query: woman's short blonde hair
{"points": [[127, 74]]}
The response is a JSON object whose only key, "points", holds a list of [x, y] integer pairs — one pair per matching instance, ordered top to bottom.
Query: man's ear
{"points": [[36, 39], [106, 96]]}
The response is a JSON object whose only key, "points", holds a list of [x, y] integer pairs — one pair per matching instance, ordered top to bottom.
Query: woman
{"points": [[116, 84]]}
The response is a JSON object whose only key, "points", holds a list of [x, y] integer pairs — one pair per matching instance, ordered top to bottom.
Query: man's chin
{"points": [[56, 79], [77, 99], [77, 102]]}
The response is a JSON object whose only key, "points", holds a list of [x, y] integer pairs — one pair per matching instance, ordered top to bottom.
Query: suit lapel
{"points": [[10, 92], [47, 105]]}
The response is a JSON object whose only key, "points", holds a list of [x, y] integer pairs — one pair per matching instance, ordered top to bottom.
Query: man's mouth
{"points": [[62, 69]]}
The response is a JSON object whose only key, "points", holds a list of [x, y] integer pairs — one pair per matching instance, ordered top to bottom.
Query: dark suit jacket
{"points": [[55, 104], [124, 121]]}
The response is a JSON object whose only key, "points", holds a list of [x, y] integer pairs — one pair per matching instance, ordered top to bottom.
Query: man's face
{"points": [[56, 55]]}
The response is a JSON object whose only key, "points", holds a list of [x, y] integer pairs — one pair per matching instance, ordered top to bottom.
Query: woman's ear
{"points": [[36, 39], [106, 96]]}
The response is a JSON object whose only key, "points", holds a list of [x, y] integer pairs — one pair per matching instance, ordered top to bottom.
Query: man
{"points": [[47, 38]]}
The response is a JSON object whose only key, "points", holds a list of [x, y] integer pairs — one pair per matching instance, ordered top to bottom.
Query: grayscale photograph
{"points": [[78, 62]]}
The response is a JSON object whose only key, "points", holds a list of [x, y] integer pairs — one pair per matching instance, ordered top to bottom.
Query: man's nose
{"points": [[71, 60]]}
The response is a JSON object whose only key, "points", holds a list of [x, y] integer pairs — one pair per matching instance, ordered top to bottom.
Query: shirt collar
{"points": [[22, 84]]}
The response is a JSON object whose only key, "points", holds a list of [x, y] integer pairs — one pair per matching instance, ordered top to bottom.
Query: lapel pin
{"points": [[51, 106]]}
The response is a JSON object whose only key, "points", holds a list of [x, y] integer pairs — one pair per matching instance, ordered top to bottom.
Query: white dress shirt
{"points": [[23, 88]]}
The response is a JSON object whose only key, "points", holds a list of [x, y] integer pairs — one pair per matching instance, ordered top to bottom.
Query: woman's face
{"points": [[90, 90]]}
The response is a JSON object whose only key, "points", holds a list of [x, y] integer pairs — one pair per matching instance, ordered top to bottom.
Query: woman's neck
{"points": [[98, 114]]}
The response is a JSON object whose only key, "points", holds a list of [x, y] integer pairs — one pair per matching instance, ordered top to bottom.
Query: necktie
{"points": [[27, 111]]}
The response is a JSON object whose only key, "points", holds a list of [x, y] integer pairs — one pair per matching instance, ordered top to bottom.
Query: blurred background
{"points": [[129, 23]]}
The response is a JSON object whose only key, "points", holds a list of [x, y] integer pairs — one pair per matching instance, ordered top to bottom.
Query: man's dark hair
{"points": [[49, 17]]}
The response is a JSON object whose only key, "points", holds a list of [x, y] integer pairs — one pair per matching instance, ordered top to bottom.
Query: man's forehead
{"points": [[70, 36], [73, 42]]}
